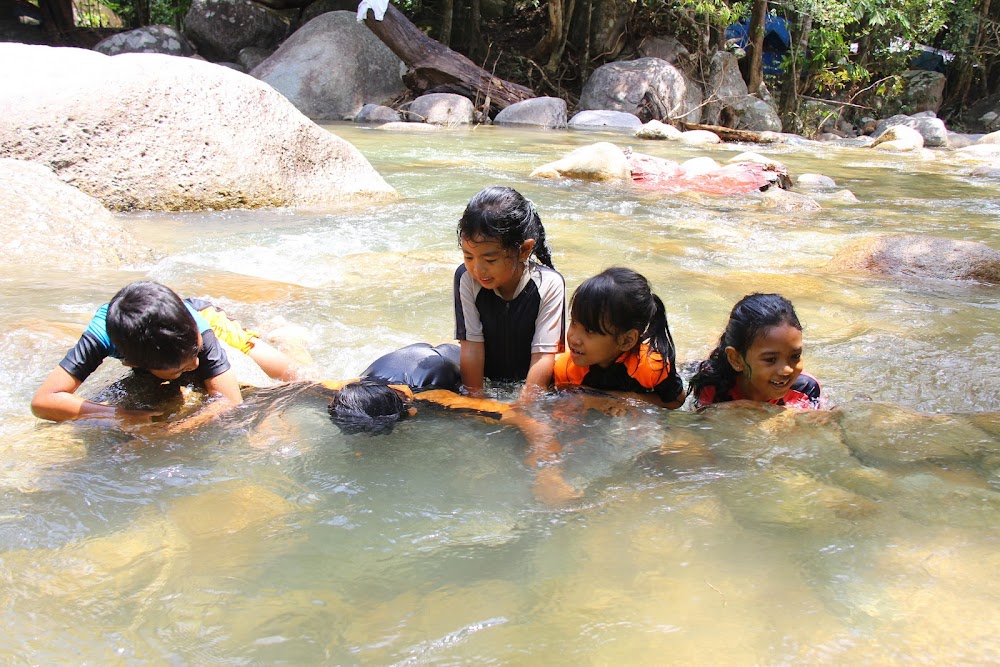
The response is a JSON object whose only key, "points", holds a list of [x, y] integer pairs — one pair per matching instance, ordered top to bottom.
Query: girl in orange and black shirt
{"points": [[618, 341]]}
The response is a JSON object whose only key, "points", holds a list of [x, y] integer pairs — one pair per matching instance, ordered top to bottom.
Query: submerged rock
{"points": [[148, 131], [45, 222], [921, 256], [883, 432]]}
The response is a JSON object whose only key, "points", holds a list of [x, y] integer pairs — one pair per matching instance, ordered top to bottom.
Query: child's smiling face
{"points": [[493, 266], [771, 365]]}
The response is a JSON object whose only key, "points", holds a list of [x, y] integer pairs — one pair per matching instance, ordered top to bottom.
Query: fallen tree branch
{"points": [[433, 64]]}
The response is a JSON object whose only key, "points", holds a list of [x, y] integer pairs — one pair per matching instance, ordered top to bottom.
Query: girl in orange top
{"points": [[618, 341]]}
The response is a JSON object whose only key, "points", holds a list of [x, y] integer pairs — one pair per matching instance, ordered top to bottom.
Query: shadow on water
{"points": [[864, 534]]}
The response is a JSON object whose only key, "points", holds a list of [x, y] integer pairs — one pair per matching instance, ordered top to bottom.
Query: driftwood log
{"points": [[435, 66], [729, 134]]}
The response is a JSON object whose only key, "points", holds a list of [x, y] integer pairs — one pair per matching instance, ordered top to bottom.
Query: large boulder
{"points": [[221, 28], [149, 39], [333, 66], [649, 88], [924, 90], [730, 104], [441, 109], [547, 112], [931, 128], [148, 131], [598, 162], [44, 222], [921, 256]]}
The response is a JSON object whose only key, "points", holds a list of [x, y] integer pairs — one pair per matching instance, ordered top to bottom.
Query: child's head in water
{"points": [[498, 232], [615, 312], [760, 351], [368, 406]]}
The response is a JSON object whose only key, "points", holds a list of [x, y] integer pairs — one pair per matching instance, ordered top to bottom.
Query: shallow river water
{"points": [[867, 534]]}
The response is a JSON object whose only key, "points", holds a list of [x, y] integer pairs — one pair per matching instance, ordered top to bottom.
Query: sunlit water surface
{"points": [[865, 535]]}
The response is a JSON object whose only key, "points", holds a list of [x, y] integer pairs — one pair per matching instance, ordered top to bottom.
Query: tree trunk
{"points": [[447, 16], [57, 19], [474, 35], [550, 40], [755, 46], [434, 64], [790, 90]]}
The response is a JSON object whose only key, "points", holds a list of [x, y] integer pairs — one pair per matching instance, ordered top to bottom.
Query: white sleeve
{"points": [[550, 325], [469, 327]]}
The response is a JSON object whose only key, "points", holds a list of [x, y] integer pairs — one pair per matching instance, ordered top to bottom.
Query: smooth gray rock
{"points": [[333, 66], [441, 109], [547, 112], [376, 113], [605, 120], [148, 131]]}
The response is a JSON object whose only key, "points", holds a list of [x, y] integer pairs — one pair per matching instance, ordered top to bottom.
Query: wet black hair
{"points": [[504, 214], [619, 299], [752, 316], [151, 327], [367, 406]]}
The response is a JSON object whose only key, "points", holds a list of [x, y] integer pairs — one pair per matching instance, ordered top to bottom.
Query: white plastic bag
{"points": [[377, 6]]}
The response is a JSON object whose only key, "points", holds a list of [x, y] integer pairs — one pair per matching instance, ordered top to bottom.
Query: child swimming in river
{"points": [[509, 310], [151, 329], [619, 341], [758, 358], [388, 389]]}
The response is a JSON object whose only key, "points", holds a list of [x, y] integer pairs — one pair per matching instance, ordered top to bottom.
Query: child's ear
{"points": [[526, 249], [628, 340], [734, 359]]}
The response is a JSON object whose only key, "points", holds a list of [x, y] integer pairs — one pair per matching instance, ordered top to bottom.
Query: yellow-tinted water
{"points": [[866, 535]]}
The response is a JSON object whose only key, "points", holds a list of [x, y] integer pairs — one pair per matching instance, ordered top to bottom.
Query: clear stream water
{"points": [[868, 534]]}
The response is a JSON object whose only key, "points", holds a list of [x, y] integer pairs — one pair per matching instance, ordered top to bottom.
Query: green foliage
{"points": [[168, 12], [718, 12]]}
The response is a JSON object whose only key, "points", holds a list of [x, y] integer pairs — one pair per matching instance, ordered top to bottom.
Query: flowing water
{"points": [[868, 534]]}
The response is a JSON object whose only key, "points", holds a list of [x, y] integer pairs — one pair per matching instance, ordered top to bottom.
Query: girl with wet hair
{"points": [[509, 309], [619, 341], [758, 358]]}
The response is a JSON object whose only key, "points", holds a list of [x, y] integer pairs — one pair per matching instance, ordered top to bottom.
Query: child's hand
{"points": [[612, 407], [126, 417], [550, 487]]}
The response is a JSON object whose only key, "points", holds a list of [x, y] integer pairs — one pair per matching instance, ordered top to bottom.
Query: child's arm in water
{"points": [[472, 364], [539, 374], [224, 395], [652, 398], [56, 400], [544, 451]]}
